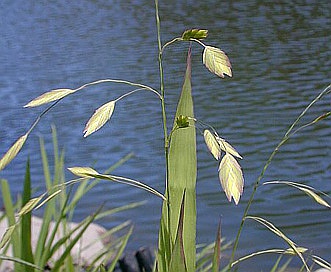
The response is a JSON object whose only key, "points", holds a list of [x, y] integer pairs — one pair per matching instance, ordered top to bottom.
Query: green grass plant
{"points": [[177, 229], [55, 238]]}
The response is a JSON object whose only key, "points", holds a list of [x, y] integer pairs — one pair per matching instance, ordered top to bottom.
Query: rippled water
{"points": [[281, 60]]}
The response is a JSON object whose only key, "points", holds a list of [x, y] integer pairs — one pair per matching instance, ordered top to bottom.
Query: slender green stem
{"points": [[181, 39], [198, 41], [171, 42], [161, 69], [142, 86], [326, 91], [129, 93], [41, 115], [325, 115], [164, 116], [204, 124], [287, 135], [137, 184], [267, 251]]}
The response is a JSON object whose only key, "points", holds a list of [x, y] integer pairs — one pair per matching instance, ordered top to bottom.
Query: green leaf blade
{"points": [[182, 171], [26, 236], [217, 251], [178, 259]]}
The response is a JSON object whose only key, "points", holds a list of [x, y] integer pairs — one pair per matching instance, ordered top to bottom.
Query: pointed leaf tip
{"points": [[216, 61], [49, 97], [99, 118], [231, 178], [217, 250]]}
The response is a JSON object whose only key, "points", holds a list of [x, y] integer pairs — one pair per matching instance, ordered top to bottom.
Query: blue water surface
{"points": [[280, 53]]}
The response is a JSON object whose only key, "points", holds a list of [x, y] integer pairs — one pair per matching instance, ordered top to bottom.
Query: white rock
{"points": [[90, 245]]}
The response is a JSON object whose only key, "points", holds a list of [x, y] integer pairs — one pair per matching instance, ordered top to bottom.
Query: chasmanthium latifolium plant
{"points": [[215, 60], [177, 232]]}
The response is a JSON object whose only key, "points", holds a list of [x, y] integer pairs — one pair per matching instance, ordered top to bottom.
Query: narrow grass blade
{"points": [[216, 61], [49, 97], [99, 118], [12, 151], [45, 163], [59, 178], [81, 190], [50, 203], [50, 209], [120, 209], [11, 235], [71, 241], [47, 242], [165, 243], [26, 249], [121, 250], [297, 250], [217, 251], [205, 257], [178, 259], [20, 261], [275, 267], [102, 268], [283, 268]]}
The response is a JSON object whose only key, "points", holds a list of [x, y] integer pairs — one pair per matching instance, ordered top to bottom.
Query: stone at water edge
{"points": [[90, 245]]}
